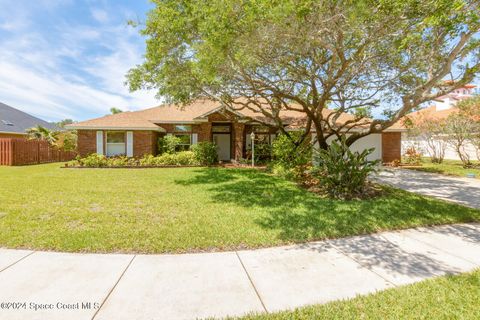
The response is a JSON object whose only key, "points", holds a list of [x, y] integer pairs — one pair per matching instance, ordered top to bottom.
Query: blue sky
{"points": [[67, 59]]}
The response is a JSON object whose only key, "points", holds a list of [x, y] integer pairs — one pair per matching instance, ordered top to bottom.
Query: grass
{"points": [[448, 167], [189, 209], [448, 297]]}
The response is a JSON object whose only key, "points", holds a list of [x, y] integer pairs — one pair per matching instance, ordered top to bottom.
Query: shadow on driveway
{"points": [[461, 190]]}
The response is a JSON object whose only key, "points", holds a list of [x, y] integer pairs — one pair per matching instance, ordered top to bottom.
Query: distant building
{"points": [[451, 99], [442, 108], [14, 123]]}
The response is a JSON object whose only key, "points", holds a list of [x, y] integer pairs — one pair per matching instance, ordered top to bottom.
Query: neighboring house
{"points": [[449, 100], [444, 106], [14, 123], [136, 133]]}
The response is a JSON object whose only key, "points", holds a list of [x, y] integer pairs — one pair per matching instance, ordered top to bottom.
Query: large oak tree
{"points": [[351, 56]]}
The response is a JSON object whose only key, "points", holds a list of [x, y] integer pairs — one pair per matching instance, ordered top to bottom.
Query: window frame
{"points": [[187, 126], [124, 143], [183, 146]]}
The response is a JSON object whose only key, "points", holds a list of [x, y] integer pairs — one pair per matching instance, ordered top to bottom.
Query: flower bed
{"points": [[180, 159]]}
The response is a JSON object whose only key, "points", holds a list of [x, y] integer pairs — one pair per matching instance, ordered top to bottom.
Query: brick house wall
{"points": [[86, 142], [144, 142], [391, 146]]}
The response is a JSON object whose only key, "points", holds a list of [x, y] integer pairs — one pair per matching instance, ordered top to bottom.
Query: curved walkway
{"points": [[465, 191], [50, 285]]}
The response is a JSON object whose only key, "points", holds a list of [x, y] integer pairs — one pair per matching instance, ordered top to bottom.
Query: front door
{"points": [[222, 140]]}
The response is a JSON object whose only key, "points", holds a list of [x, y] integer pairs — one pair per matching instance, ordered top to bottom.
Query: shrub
{"points": [[168, 144], [205, 153], [412, 156], [185, 158], [166, 159], [290, 159], [93, 160], [147, 160], [120, 161], [343, 173]]}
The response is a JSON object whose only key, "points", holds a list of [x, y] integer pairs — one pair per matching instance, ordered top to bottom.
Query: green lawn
{"points": [[448, 167], [189, 209], [449, 297]]}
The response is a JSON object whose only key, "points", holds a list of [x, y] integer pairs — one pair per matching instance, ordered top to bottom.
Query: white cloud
{"points": [[100, 15], [79, 74]]}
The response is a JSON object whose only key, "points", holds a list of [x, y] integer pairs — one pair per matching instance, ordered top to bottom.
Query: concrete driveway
{"points": [[465, 191], [49, 285]]}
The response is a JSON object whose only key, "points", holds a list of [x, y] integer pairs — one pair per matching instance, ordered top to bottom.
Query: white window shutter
{"points": [[194, 138], [100, 142], [129, 144]]}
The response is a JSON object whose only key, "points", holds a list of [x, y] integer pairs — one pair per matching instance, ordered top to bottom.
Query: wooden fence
{"points": [[17, 152]]}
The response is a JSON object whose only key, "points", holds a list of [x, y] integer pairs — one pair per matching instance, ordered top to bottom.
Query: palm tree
{"points": [[42, 133]]}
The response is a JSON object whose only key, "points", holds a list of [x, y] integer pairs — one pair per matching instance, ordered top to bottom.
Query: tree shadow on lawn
{"points": [[299, 215]]}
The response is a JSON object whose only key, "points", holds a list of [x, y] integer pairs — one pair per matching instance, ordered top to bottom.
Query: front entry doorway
{"points": [[221, 136]]}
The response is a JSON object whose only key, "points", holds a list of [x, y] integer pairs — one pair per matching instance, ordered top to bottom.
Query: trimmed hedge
{"points": [[184, 158]]}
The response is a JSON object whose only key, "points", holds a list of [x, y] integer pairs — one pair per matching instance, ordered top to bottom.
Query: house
{"points": [[449, 100], [442, 108], [14, 123], [136, 133]]}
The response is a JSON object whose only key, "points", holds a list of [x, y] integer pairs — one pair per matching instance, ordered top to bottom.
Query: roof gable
{"points": [[16, 121]]}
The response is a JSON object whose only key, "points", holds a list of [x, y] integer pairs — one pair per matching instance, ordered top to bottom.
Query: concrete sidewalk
{"points": [[465, 191], [49, 285]]}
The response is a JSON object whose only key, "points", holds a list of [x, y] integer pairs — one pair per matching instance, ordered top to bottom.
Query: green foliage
{"points": [[313, 53], [470, 107], [115, 110], [64, 122], [459, 129], [42, 133], [67, 140], [168, 144], [263, 152], [289, 152], [205, 153], [290, 155], [413, 157], [184, 158], [93, 160], [148, 160], [121, 161], [342, 173]]}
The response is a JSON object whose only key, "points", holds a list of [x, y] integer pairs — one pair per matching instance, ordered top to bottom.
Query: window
{"points": [[183, 128], [221, 129], [185, 142], [115, 143]]}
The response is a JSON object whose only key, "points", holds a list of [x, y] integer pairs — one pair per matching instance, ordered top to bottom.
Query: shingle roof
{"points": [[197, 111], [429, 113], [15, 121]]}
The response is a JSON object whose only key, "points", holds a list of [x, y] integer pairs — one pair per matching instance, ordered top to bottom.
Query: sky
{"points": [[68, 59]]}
